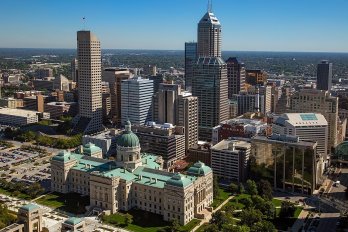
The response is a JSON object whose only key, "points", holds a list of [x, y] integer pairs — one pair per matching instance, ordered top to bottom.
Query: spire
{"points": [[210, 6]]}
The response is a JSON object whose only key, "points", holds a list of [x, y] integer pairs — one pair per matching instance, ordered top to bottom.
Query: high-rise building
{"points": [[209, 36], [190, 58], [74, 70], [150, 70], [44, 72], [324, 75], [115, 76], [235, 76], [209, 82], [89, 83], [210, 86], [136, 100], [318, 101], [248, 102], [178, 108], [306, 126]]}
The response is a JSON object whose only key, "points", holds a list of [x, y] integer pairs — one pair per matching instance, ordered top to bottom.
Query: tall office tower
{"points": [[209, 36], [190, 58], [74, 70], [324, 75], [115, 76], [235, 76], [209, 82], [89, 83], [210, 86], [266, 92], [106, 100], [136, 100], [318, 101], [248, 102], [283, 104], [179, 108], [306, 126]]}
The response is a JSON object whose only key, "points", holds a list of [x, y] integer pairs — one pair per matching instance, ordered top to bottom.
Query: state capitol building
{"points": [[133, 180]]}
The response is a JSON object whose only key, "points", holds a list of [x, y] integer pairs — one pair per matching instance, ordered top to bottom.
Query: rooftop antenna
{"points": [[210, 6]]}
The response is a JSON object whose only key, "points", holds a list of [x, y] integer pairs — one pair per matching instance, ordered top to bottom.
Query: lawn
{"points": [[20, 195], [223, 195], [70, 202], [235, 202], [276, 202], [144, 221], [284, 223], [202, 227]]}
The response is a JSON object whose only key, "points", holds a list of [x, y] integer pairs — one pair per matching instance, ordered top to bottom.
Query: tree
{"points": [[251, 187], [233, 188], [241, 188], [265, 189], [216, 191], [247, 202], [265, 206], [287, 209], [250, 216], [220, 218], [128, 219], [175, 226], [263, 226], [211, 228], [236, 228]]}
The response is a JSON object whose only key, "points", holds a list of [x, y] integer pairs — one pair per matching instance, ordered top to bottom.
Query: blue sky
{"points": [[248, 25]]}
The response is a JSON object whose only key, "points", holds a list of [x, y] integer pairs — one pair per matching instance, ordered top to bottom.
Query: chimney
{"points": [[140, 177], [155, 180]]}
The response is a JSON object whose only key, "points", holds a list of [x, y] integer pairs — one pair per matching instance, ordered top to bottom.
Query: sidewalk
{"points": [[207, 219], [300, 220]]}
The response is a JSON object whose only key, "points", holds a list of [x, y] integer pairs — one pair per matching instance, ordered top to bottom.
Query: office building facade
{"points": [[190, 59], [324, 75], [235, 76]]}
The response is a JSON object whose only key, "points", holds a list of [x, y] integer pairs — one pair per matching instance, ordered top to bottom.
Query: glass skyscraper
{"points": [[190, 58]]}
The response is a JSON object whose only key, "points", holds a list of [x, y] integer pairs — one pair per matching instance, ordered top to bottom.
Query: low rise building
{"points": [[58, 109], [18, 117], [105, 140], [200, 152], [229, 159], [288, 163]]}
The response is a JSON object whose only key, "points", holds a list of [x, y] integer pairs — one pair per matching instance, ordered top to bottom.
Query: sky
{"points": [[247, 25]]}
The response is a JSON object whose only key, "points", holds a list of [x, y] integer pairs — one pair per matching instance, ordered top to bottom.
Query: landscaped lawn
{"points": [[20, 195], [223, 196], [70, 202], [235, 202], [276, 202], [144, 221], [202, 227]]}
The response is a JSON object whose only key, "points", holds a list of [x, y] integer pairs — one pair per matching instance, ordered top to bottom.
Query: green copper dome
{"points": [[128, 138], [90, 148], [62, 156], [199, 169], [179, 180], [73, 221]]}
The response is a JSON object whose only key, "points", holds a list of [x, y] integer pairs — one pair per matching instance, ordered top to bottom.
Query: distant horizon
{"points": [[249, 25], [181, 50]]}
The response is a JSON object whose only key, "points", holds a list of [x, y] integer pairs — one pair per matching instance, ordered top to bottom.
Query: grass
{"points": [[20, 195], [223, 195], [70, 202], [235, 202], [276, 202], [144, 221], [285, 223], [202, 227]]}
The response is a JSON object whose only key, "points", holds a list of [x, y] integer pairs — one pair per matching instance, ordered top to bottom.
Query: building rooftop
{"points": [[209, 18], [210, 61], [18, 112], [302, 119], [274, 139], [231, 145], [91, 148], [29, 207], [73, 221]]}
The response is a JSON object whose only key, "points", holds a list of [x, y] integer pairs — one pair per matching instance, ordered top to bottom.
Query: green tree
{"points": [[251, 187], [216, 188], [233, 188], [241, 188], [265, 189], [247, 202], [287, 209], [250, 216], [220, 218], [128, 219], [174, 226], [263, 226], [211, 228], [235, 228]]}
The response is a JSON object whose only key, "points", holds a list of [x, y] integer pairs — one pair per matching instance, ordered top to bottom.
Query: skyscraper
{"points": [[209, 36], [190, 58], [74, 70], [324, 75], [235, 76], [209, 82], [89, 83], [136, 100]]}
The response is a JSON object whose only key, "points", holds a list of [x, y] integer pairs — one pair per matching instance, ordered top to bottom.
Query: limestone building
{"points": [[134, 180]]}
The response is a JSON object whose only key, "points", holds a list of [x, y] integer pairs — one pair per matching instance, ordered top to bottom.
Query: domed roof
{"points": [[128, 138], [91, 148], [342, 149], [62, 156], [199, 169], [179, 180], [73, 221]]}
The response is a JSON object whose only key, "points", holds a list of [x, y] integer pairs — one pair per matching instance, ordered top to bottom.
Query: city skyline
{"points": [[291, 25]]}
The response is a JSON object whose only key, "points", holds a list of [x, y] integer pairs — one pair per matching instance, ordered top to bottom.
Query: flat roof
{"points": [[18, 112], [224, 145]]}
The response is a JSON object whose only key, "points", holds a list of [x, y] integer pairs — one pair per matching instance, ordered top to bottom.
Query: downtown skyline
{"points": [[247, 26]]}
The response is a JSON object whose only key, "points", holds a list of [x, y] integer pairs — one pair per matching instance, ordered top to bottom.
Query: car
{"points": [[287, 198]]}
